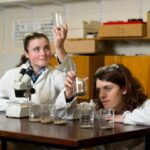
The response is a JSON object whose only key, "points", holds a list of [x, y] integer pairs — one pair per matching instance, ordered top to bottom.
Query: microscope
{"points": [[22, 84], [23, 89]]}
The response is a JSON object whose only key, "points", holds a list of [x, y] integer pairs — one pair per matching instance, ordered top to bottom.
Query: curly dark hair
{"points": [[26, 40], [120, 75]]}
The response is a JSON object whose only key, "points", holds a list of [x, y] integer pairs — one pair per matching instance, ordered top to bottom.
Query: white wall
{"points": [[114, 10], [123, 10], [76, 13]]}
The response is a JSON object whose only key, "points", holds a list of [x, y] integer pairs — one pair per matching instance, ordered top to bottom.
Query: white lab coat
{"points": [[49, 87], [140, 115]]}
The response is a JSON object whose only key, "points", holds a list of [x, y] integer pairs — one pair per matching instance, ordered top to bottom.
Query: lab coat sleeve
{"points": [[67, 65], [59, 79], [4, 95], [60, 100], [3, 104], [140, 115]]}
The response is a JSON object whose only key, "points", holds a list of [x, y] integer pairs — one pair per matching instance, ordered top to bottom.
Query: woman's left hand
{"points": [[70, 84]]}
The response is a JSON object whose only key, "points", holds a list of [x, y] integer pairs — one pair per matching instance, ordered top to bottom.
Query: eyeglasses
{"points": [[31, 34], [108, 68]]}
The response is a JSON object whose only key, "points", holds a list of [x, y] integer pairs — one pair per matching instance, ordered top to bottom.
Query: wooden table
{"points": [[69, 136]]}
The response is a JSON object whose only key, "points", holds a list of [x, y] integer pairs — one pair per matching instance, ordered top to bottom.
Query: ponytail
{"points": [[23, 60]]}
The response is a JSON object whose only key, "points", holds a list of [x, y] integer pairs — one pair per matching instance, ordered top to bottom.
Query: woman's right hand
{"points": [[60, 35], [70, 84]]}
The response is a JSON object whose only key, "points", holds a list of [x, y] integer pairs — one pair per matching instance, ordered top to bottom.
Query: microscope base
{"points": [[17, 109]]}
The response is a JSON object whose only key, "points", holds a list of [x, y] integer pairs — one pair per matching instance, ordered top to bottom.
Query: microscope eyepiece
{"points": [[22, 71], [29, 72]]}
